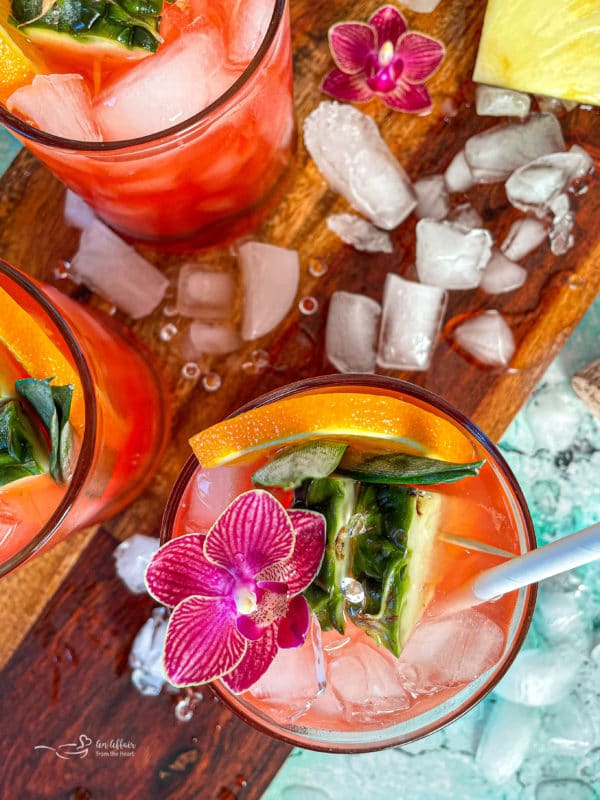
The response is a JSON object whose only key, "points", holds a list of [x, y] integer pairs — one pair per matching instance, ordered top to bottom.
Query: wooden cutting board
{"points": [[68, 624]]}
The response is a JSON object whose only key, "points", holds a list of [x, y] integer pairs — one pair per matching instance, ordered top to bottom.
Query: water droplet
{"points": [[317, 268], [61, 270], [308, 305], [111, 311], [170, 311], [168, 331], [260, 358], [190, 370], [212, 381], [352, 590], [183, 710], [195, 740], [241, 781]]}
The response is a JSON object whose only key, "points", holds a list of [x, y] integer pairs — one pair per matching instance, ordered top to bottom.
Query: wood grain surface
{"points": [[33, 236]]}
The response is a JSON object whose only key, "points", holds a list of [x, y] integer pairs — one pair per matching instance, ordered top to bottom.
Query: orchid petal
{"points": [[389, 24], [350, 43], [420, 55], [350, 88], [410, 97], [251, 534], [301, 568], [179, 570], [293, 627], [249, 628], [202, 642], [257, 660]]}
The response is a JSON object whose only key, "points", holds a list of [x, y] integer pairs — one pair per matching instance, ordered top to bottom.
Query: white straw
{"points": [[551, 559]]}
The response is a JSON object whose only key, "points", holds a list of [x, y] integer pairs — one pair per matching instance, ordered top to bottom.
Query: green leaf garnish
{"points": [[53, 406], [20, 448], [312, 460], [402, 468]]}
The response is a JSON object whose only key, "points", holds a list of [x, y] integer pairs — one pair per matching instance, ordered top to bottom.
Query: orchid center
{"points": [[386, 53], [245, 599]]}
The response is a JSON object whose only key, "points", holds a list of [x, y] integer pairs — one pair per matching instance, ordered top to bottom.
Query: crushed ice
{"points": [[131, 559]]}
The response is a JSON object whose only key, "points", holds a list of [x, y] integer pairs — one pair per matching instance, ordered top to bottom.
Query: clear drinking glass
{"points": [[205, 180], [124, 432], [496, 489]]}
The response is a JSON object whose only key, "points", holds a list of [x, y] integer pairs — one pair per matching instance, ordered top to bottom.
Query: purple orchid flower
{"points": [[383, 58], [236, 591]]}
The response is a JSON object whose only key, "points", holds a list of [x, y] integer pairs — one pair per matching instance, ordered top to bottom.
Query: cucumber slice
{"points": [[313, 460], [402, 468]]}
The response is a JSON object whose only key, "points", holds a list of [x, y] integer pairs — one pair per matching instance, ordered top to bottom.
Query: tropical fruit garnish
{"points": [[90, 29], [547, 47], [16, 69], [31, 345], [389, 421]]}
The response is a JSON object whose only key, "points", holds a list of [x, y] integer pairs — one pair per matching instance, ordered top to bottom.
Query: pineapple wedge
{"points": [[547, 47]]}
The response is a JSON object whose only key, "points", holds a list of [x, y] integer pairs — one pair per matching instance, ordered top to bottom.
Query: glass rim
{"points": [[38, 136], [412, 390], [85, 457]]}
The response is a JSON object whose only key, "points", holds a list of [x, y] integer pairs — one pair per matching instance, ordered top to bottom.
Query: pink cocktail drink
{"points": [[182, 139], [102, 448], [375, 670]]}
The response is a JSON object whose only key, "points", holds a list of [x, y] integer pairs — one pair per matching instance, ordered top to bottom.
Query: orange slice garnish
{"points": [[16, 69], [33, 348], [382, 419]]}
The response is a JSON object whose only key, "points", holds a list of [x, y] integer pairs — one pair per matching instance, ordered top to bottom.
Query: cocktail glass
{"points": [[203, 181], [125, 428], [494, 499]]}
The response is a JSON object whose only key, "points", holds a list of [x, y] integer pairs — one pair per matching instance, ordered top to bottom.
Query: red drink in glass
{"points": [[178, 165], [120, 426], [343, 692]]}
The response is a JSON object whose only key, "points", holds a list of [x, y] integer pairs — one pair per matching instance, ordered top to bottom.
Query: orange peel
{"points": [[382, 419]]}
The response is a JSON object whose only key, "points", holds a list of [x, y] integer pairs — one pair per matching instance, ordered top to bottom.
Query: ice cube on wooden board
{"points": [[548, 47], [493, 101], [57, 104], [497, 152], [356, 162], [458, 175], [534, 186], [432, 197], [77, 213], [359, 233], [524, 236], [450, 256], [114, 270], [502, 275], [270, 277], [203, 293], [411, 320], [351, 332], [202, 338], [487, 338]]}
